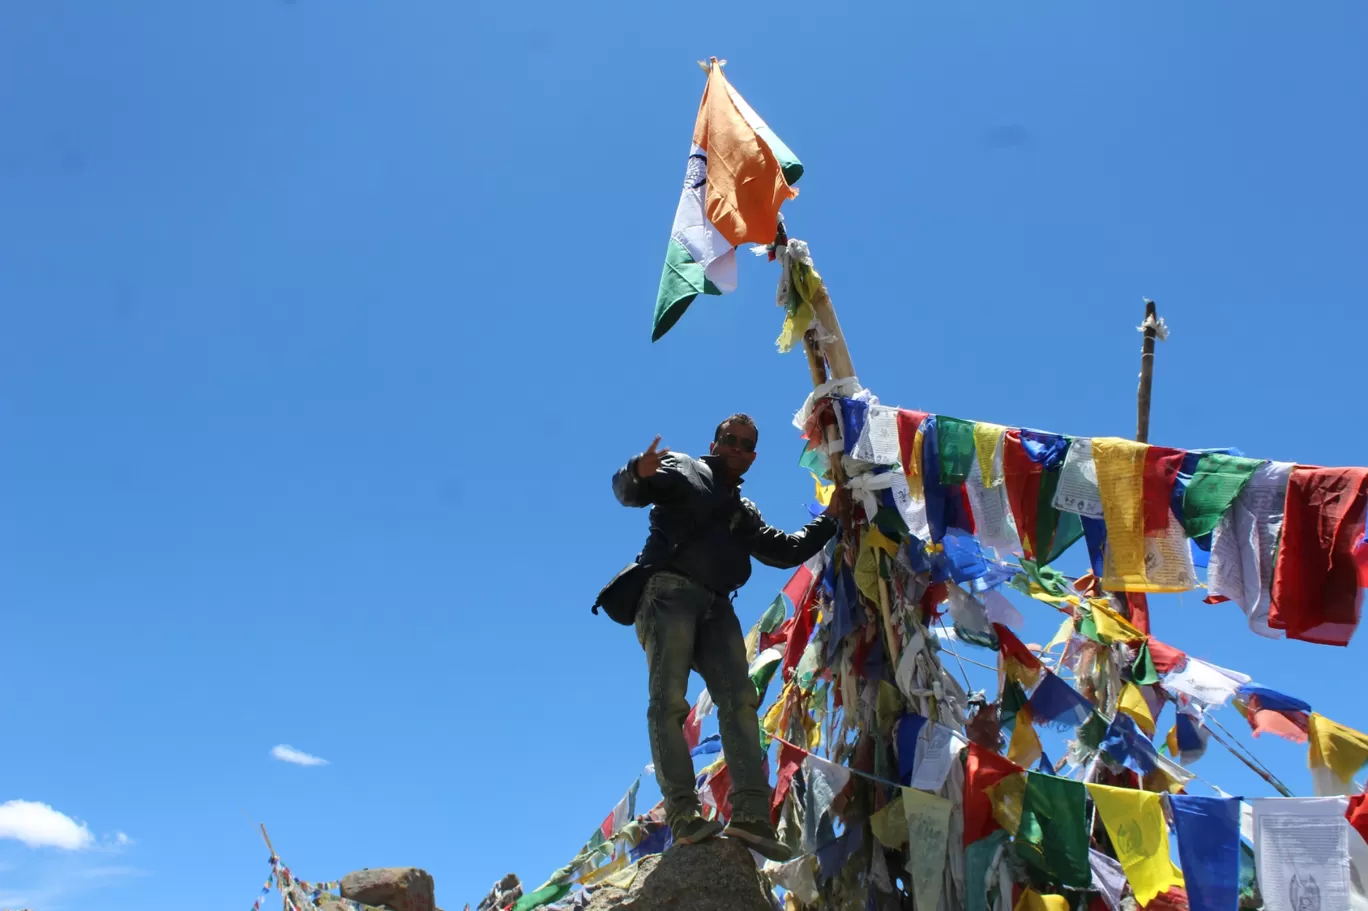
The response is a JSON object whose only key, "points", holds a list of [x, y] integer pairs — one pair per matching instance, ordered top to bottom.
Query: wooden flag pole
{"points": [[1142, 398]]}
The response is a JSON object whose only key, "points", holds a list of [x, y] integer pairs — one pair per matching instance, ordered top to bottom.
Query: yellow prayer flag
{"points": [[986, 439], [915, 470], [1120, 481], [824, 491], [875, 539], [867, 572], [1111, 626], [1062, 635], [752, 644], [1133, 704], [776, 711], [1024, 748], [1343, 750], [1008, 798], [1135, 823], [890, 824], [605, 871], [1031, 900]]}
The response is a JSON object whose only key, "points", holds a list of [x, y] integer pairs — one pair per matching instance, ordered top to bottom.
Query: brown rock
{"points": [[718, 875], [396, 888]]}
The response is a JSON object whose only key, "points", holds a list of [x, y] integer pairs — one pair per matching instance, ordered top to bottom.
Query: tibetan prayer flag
{"points": [[739, 174], [909, 422], [955, 439], [987, 445], [1160, 474], [1120, 481], [1215, 484], [1243, 546], [1315, 584], [796, 590], [774, 614], [1111, 626], [1167, 659], [1019, 663], [1143, 671], [1272, 699], [1133, 704], [1059, 705], [693, 725], [1287, 725], [908, 732], [1187, 739], [1123, 744], [707, 746], [1024, 748], [1337, 753], [790, 760], [983, 769], [1008, 797], [1357, 814], [1135, 824], [889, 825], [1208, 830], [928, 836], [1053, 837], [1301, 849], [979, 871], [1108, 878], [543, 896], [1031, 900]]}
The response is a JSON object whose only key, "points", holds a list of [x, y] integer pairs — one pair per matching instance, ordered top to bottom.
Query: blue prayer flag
{"points": [[1209, 849]]}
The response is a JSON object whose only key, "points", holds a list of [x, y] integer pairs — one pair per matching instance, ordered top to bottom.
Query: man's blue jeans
{"points": [[684, 626]]}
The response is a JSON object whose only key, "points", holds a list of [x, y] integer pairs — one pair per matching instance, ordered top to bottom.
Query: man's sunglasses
{"points": [[745, 444]]}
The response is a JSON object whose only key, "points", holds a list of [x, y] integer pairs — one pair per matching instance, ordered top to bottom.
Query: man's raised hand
{"points": [[649, 461]]}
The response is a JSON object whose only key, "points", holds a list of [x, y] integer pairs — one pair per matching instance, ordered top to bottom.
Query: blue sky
{"points": [[325, 324]]}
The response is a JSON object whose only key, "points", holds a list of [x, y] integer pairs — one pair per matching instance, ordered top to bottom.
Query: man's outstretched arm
{"points": [[639, 482], [772, 547]]}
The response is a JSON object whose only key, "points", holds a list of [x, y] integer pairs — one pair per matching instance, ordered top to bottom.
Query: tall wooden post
{"points": [[1142, 399]]}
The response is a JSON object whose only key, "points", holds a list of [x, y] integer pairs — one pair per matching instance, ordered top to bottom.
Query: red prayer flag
{"points": [[908, 422], [1161, 473], [1021, 476], [1315, 584], [796, 589], [1139, 612], [797, 641], [1014, 648], [1166, 658], [693, 726], [1291, 726], [790, 758], [983, 770], [720, 785], [1357, 814]]}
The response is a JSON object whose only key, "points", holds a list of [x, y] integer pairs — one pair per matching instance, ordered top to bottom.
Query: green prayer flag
{"points": [[955, 439], [814, 460], [1216, 482], [891, 523], [1055, 531], [1052, 580], [774, 614], [1087, 627], [1143, 671], [763, 672], [1013, 698], [1091, 732], [1053, 837], [978, 857], [543, 896]]}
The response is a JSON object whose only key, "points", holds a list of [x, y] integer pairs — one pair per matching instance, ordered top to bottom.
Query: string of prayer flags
{"points": [[1031, 470], [1315, 583], [1336, 754], [1208, 830], [928, 833], [1053, 836], [1301, 849]]}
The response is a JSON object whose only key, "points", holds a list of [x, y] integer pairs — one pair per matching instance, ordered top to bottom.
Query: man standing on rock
{"points": [[703, 535]]}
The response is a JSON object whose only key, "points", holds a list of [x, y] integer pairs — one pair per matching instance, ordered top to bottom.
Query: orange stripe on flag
{"points": [[746, 186]]}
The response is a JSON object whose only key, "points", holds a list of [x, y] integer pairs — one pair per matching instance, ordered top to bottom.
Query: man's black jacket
{"points": [[702, 527]]}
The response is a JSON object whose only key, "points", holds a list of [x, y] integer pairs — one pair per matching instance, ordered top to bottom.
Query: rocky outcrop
{"points": [[718, 875], [396, 888]]}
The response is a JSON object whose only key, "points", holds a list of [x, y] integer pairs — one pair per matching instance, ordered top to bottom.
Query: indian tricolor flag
{"points": [[738, 176]]}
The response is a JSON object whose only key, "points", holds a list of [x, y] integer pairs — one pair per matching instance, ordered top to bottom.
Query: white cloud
{"points": [[286, 753], [39, 825]]}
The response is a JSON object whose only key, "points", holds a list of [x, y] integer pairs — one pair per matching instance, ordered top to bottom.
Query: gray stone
{"points": [[718, 875], [396, 888]]}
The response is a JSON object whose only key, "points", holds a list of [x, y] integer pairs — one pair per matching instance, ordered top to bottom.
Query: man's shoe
{"points": [[692, 829], [758, 835]]}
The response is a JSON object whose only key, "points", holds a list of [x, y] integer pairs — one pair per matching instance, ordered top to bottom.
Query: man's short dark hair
{"points": [[739, 418]]}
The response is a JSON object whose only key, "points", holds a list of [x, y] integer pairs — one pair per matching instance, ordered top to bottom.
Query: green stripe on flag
{"points": [[788, 162], [681, 281]]}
